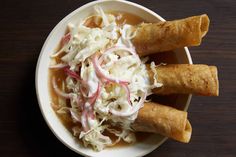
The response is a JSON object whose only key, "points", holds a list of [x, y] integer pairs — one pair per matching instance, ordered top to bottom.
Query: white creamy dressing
{"points": [[118, 98]]}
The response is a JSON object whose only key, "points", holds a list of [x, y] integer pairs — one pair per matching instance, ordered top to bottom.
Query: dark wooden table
{"points": [[24, 26]]}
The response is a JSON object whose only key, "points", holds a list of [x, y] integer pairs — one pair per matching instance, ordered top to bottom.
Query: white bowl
{"points": [[42, 88]]}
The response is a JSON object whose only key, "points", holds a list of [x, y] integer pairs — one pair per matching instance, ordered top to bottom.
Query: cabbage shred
{"points": [[115, 105]]}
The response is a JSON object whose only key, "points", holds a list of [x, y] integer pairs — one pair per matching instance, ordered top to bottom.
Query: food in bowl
{"points": [[100, 78]]}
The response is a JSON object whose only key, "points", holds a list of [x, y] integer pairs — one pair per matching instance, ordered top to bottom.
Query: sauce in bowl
{"points": [[121, 18]]}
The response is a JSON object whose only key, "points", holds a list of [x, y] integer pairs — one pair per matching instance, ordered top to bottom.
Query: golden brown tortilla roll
{"points": [[164, 36], [186, 79], [164, 120]]}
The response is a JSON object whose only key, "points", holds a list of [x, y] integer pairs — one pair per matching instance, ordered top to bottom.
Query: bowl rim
{"points": [[43, 49]]}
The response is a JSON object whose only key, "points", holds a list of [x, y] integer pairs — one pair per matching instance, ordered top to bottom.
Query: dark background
{"points": [[24, 26]]}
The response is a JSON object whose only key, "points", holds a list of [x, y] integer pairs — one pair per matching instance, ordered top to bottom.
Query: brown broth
{"points": [[127, 18], [158, 58]]}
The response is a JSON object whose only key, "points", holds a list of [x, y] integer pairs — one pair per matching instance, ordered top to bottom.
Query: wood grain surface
{"points": [[24, 26]]}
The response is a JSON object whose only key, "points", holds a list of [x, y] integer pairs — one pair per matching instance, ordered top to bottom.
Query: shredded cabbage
{"points": [[155, 83], [97, 101]]}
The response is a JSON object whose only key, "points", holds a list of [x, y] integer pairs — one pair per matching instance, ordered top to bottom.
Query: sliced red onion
{"points": [[65, 39], [117, 48], [58, 66], [72, 73], [102, 75], [76, 76], [125, 86], [83, 88], [58, 91], [83, 91], [93, 98], [91, 101], [80, 102], [133, 110], [87, 113], [91, 114], [75, 116], [84, 120]]}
